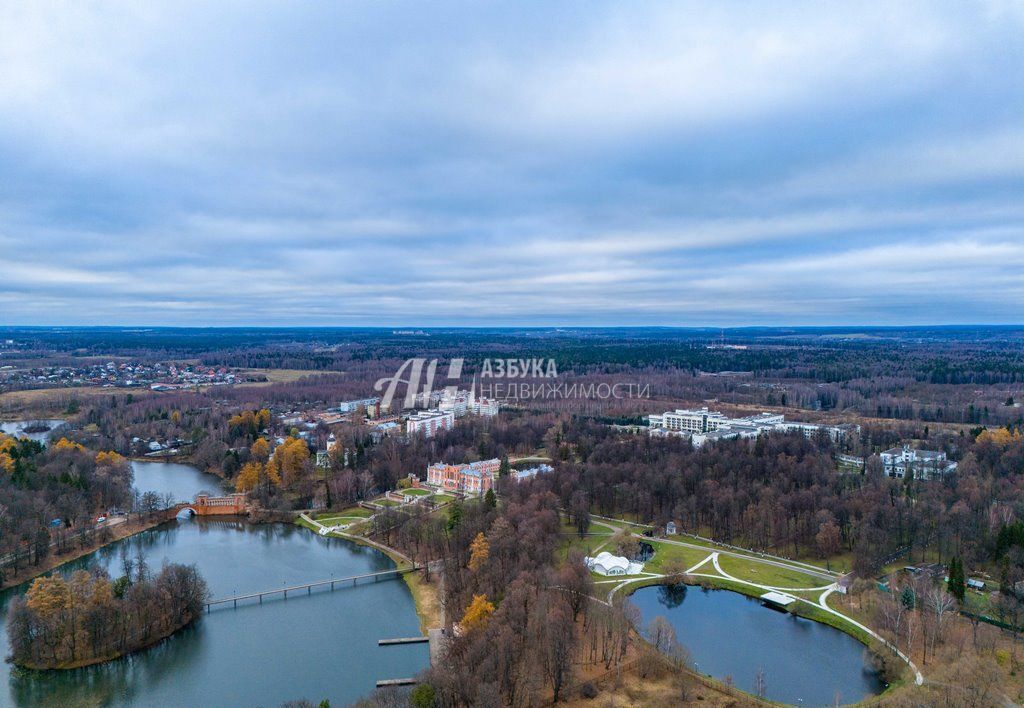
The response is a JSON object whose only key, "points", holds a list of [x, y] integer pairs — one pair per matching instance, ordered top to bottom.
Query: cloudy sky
{"points": [[431, 163]]}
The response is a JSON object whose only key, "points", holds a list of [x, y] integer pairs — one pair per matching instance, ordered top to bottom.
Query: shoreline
{"points": [[52, 562], [739, 589], [424, 594], [84, 663]]}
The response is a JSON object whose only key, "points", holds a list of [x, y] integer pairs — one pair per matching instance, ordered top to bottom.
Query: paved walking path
{"points": [[338, 531], [797, 566]]}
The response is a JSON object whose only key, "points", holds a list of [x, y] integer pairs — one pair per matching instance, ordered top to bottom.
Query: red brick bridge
{"points": [[205, 505]]}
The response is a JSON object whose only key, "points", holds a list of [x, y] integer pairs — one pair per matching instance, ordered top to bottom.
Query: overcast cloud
{"points": [[379, 163]]}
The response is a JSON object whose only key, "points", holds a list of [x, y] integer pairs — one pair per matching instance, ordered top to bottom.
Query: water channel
{"points": [[315, 647]]}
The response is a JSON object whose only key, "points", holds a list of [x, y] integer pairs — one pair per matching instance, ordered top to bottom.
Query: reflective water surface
{"points": [[731, 635], [319, 646]]}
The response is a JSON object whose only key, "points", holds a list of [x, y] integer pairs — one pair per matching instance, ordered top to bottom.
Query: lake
{"points": [[182, 482], [731, 635], [318, 646]]}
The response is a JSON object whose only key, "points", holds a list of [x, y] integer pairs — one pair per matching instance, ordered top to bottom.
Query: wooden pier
{"points": [[350, 581], [403, 640], [384, 683]]}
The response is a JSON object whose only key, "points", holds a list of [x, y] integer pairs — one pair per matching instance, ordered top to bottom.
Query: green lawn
{"points": [[527, 462], [415, 492], [442, 498], [385, 502], [354, 511], [340, 520], [568, 538], [689, 557], [755, 572]]}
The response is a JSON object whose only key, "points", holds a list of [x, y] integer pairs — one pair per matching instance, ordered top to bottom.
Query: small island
{"points": [[67, 623]]}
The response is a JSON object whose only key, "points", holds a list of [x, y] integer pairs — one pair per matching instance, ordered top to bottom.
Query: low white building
{"points": [[703, 425], [899, 462], [520, 475], [604, 563]]}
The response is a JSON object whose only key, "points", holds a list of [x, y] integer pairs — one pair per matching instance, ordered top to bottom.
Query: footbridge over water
{"points": [[350, 581]]}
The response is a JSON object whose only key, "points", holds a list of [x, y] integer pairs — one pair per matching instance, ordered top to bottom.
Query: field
{"points": [[278, 375], [53, 402]]}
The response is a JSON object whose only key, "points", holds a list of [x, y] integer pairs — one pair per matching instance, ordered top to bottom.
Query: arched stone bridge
{"points": [[205, 505]]}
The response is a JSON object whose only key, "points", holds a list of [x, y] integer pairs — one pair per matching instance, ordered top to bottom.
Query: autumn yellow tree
{"points": [[1000, 436], [65, 444], [7, 445], [260, 450], [109, 459], [290, 459], [249, 476], [479, 551], [50, 598], [477, 614]]}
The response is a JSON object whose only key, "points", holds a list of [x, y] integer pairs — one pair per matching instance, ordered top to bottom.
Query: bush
{"points": [[588, 690], [423, 696]]}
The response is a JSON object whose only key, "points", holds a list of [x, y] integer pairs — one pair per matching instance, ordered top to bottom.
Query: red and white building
{"points": [[474, 478]]}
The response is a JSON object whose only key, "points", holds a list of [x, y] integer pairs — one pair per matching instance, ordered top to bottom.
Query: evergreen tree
{"points": [[504, 469], [490, 499], [454, 517], [956, 585], [907, 598]]}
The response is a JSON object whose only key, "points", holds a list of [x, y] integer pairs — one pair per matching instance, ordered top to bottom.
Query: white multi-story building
{"points": [[457, 402], [462, 402], [352, 406], [486, 407], [429, 422], [703, 425], [900, 462]]}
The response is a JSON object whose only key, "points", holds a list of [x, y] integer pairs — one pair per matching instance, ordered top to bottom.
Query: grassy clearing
{"points": [[280, 375], [524, 462], [412, 492], [442, 498], [385, 502], [354, 511], [340, 520], [587, 545], [665, 552], [765, 574]]}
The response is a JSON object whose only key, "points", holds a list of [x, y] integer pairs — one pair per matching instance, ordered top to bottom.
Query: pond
{"points": [[17, 428], [731, 635], [319, 646]]}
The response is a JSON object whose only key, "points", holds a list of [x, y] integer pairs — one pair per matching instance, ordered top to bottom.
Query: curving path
{"points": [[339, 531], [806, 569]]}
